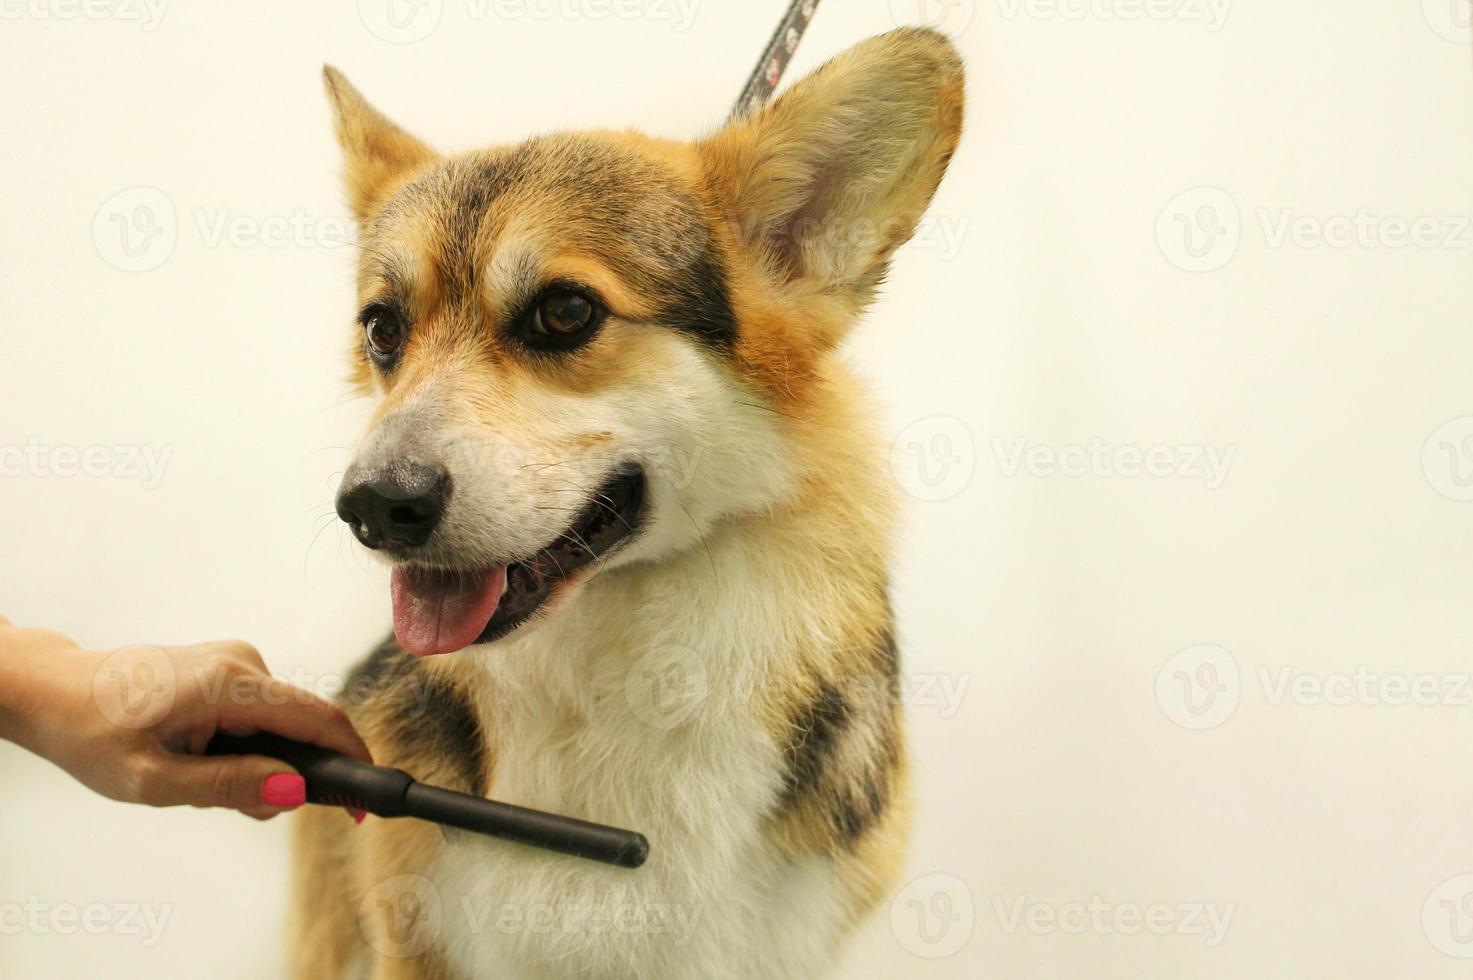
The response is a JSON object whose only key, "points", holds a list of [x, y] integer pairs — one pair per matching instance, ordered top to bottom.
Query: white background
{"points": [[1052, 304]]}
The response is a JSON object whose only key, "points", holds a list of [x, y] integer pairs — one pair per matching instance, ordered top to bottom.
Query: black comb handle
{"points": [[336, 780]]}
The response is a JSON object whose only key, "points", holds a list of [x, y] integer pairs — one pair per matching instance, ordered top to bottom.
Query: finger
{"points": [[4, 621], [39, 641], [239, 651], [272, 705], [240, 782], [266, 813], [357, 816]]}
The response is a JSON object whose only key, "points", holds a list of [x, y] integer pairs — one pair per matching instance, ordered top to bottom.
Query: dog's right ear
{"points": [[378, 154], [822, 184]]}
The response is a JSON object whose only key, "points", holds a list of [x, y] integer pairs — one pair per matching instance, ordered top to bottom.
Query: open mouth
{"points": [[440, 611]]}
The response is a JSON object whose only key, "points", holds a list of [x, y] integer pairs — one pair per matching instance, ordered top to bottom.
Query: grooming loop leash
{"points": [[775, 57]]}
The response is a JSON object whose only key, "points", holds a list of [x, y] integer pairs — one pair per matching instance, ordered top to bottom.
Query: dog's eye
{"points": [[563, 314], [385, 332]]}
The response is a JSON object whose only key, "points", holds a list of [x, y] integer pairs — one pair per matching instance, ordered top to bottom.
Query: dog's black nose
{"points": [[399, 505]]}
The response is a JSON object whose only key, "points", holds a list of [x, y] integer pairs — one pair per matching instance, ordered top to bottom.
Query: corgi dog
{"points": [[639, 519]]}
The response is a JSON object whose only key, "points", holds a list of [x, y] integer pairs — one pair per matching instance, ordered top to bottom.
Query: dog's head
{"points": [[585, 346]]}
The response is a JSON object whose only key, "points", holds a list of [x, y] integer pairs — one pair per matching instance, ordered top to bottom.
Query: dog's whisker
{"points": [[560, 462], [603, 502], [700, 535], [307, 556], [560, 570]]}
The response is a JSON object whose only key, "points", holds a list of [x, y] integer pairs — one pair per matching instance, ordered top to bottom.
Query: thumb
{"points": [[240, 782]]}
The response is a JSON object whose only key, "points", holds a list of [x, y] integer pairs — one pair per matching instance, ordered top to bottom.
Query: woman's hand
{"points": [[132, 724]]}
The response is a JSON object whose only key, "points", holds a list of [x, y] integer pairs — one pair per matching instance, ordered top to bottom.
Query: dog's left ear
{"points": [[378, 154], [824, 183]]}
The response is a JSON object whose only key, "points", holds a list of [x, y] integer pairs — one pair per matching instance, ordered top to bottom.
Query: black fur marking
{"points": [[474, 189], [598, 198], [702, 304], [420, 710], [815, 732], [843, 748], [865, 805], [862, 808]]}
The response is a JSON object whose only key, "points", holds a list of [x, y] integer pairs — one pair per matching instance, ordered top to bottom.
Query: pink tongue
{"points": [[437, 612]]}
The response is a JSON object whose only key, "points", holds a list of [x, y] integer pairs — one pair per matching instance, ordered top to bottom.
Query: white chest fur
{"points": [[641, 706]]}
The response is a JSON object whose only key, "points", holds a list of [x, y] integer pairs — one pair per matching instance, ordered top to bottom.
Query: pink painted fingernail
{"points": [[285, 790], [357, 815]]}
